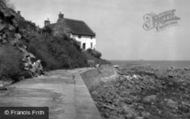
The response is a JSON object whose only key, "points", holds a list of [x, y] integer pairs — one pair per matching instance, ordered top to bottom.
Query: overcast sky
{"points": [[118, 25]]}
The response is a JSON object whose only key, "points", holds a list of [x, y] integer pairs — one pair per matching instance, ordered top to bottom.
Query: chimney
{"points": [[18, 12], [61, 16], [47, 22]]}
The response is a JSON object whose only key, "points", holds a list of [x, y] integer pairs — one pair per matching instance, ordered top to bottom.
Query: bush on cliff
{"points": [[47, 30], [40, 50], [56, 52], [66, 52], [94, 53], [96, 60], [10, 63]]}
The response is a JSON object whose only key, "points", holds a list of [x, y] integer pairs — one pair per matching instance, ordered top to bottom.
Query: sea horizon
{"points": [[162, 63]]}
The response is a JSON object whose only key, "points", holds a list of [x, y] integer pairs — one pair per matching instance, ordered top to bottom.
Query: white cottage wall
{"points": [[87, 40]]}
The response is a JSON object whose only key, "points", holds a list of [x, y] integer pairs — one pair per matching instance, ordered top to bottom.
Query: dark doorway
{"points": [[84, 46]]}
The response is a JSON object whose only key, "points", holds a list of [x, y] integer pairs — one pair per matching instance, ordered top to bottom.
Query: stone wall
{"points": [[107, 71], [94, 77]]}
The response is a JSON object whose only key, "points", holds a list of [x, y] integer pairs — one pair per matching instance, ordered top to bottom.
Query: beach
{"points": [[145, 92]]}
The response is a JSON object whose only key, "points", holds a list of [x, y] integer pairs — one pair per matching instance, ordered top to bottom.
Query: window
{"points": [[91, 45], [84, 46]]}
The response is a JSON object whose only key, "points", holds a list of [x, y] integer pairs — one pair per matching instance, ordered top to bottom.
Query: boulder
{"points": [[149, 99], [171, 103], [128, 110], [145, 114], [139, 118]]}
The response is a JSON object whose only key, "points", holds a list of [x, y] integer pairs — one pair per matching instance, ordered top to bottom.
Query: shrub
{"points": [[47, 30], [76, 44], [40, 50], [56, 52], [67, 53], [94, 53], [96, 60], [10, 63]]}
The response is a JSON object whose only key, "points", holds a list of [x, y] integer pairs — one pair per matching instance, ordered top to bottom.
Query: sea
{"points": [[167, 64]]}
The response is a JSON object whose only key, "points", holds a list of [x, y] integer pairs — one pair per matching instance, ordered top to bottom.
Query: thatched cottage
{"points": [[76, 29]]}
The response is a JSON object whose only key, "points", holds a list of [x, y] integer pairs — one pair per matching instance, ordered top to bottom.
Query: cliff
{"points": [[22, 44]]}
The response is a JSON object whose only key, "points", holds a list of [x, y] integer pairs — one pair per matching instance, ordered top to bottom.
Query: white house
{"points": [[77, 29], [85, 41]]}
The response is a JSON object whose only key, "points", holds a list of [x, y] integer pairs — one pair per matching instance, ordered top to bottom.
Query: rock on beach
{"points": [[146, 92]]}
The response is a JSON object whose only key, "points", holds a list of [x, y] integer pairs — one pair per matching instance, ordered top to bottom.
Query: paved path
{"points": [[63, 91]]}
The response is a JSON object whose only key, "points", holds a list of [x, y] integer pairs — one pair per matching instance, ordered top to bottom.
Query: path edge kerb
{"points": [[85, 79], [84, 104]]}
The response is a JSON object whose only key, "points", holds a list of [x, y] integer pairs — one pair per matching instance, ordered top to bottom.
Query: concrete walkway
{"points": [[63, 91]]}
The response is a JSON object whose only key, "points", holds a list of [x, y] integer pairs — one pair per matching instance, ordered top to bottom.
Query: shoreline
{"points": [[168, 64], [145, 92]]}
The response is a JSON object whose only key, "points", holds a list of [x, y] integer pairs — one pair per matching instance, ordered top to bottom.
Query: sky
{"points": [[118, 25]]}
